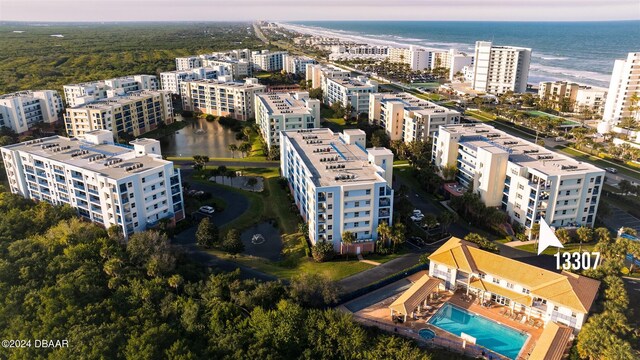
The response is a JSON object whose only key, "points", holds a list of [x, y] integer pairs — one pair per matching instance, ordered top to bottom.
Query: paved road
{"points": [[238, 204], [367, 277]]}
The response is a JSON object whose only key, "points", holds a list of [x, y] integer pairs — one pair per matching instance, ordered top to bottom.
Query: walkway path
{"points": [[187, 164], [517, 243], [370, 262], [367, 277]]}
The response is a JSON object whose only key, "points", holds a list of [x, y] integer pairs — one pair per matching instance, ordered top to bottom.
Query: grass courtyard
{"points": [[532, 248]]}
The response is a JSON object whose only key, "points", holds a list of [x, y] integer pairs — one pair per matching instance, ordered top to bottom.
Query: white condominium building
{"points": [[417, 58], [266, 60], [196, 61], [189, 62], [456, 63], [297, 64], [239, 69], [498, 69], [318, 74], [171, 80], [625, 83], [354, 91], [84, 93], [576, 97], [222, 98], [590, 98], [21, 110], [276, 112], [134, 113], [407, 117], [526, 180], [338, 185], [128, 186], [555, 298]]}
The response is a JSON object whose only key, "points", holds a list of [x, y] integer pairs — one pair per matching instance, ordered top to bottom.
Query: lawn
{"points": [[551, 250]]}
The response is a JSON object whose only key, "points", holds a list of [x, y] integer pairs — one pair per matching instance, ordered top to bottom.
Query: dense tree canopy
{"points": [[144, 300]]}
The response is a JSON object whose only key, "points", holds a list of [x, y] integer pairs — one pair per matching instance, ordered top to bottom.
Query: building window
{"points": [[346, 193], [330, 195], [357, 204], [330, 206], [330, 217], [496, 281], [509, 285], [526, 291], [555, 308]]}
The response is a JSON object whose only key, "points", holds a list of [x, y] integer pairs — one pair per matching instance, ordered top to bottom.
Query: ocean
{"points": [[582, 52]]}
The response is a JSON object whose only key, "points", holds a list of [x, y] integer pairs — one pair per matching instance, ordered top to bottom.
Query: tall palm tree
{"points": [[233, 148], [384, 232], [348, 238]]}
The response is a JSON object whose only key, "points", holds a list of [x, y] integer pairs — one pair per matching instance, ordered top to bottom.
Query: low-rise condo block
{"points": [[266, 60], [297, 64], [318, 74], [171, 80], [353, 91], [84, 93], [565, 96], [222, 98], [20, 111], [276, 112], [134, 113], [407, 117], [527, 181], [338, 185], [128, 186], [563, 298]]}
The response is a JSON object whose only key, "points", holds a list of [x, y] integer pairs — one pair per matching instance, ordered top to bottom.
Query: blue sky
{"points": [[216, 10]]}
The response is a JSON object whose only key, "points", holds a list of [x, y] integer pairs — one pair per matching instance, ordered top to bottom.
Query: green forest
{"points": [[35, 60], [62, 278]]}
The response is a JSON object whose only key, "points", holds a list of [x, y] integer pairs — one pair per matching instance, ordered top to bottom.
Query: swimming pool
{"points": [[488, 333]]}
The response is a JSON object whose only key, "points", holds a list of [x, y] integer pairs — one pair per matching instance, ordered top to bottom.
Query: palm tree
{"points": [[247, 131], [233, 148], [245, 148], [446, 218], [384, 232], [398, 234], [585, 234], [603, 235], [563, 236], [348, 238], [175, 281]]}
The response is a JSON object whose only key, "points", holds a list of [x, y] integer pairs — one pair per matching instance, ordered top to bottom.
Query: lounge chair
{"points": [[524, 319]]}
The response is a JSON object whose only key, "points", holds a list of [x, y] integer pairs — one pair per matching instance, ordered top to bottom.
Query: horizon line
{"points": [[302, 20]]}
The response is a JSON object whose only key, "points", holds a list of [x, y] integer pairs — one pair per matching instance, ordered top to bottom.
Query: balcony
{"points": [[76, 175], [384, 202], [384, 213]]}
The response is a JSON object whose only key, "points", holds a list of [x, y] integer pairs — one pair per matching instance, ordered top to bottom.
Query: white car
{"points": [[207, 209], [417, 212], [417, 218]]}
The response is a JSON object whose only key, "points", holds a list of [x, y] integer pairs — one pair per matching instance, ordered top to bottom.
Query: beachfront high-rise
{"points": [[417, 58], [266, 60], [498, 69], [171, 80], [624, 89], [354, 91], [84, 93], [572, 96], [222, 98], [20, 111], [276, 112], [134, 113], [407, 117], [526, 180], [110, 184], [338, 185]]}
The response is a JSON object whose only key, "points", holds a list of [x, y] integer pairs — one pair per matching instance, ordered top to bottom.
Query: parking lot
{"points": [[620, 218]]}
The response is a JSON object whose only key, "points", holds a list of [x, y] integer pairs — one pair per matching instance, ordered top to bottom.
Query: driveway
{"points": [[237, 205]]}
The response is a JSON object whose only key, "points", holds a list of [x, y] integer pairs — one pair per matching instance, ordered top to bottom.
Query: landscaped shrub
{"points": [[323, 251]]}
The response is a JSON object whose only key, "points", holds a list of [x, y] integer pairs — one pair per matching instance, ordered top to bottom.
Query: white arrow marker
{"points": [[547, 238]]}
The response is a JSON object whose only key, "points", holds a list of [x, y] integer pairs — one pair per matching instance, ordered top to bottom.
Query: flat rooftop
{"points": [[102, 82], [350, 82], [232, 84], [17, 94], [118, 100], [283, 103], [416, 104], [521, 152], [122, 160], [330, 160]]}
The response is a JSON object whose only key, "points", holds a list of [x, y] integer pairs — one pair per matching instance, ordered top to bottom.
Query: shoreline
{"points": [[537, 72]]}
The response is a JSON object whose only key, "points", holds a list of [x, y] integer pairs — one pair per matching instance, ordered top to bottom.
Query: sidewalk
{"points": [[377, 273]]}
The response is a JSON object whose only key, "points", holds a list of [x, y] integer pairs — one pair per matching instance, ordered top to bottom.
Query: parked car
{"points": [[611, 170], [192, 192], [207, 209], [417, 212], [417, 218], [416, 240]]}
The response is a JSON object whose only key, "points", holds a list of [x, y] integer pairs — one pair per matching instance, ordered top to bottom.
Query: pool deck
{"points": [[379, 315]]}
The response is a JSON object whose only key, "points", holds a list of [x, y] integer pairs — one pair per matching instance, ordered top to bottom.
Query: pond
{"points": [[199, 137], [263, 240]]}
